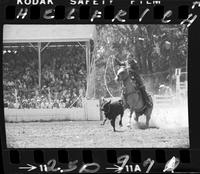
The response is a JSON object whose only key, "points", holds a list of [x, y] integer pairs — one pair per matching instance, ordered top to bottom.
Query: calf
{"points": [[111, 111]]}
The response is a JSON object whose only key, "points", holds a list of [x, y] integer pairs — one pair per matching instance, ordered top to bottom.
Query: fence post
{"points": [[85, 107], [101, 113]]}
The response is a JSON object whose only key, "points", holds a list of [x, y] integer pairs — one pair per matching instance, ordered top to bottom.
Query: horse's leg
{"points": [[148, 113], [130, 116], [148, 116], [136, 117], [147, 119], [120, 122], [113, 124]]}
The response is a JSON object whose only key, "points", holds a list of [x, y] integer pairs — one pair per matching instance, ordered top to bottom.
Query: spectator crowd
{"points": [[63, 77]]}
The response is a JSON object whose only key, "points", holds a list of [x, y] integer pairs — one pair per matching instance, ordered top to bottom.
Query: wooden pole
{"points": [[39, 64], [87, 66], [88, 79]]}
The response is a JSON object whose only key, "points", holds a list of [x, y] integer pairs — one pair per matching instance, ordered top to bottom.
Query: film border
{"points": [[190, 163]]}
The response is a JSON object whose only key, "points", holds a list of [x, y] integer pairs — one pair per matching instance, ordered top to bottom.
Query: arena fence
{"points": [[183, 88], [163, 101], [89, 111]]}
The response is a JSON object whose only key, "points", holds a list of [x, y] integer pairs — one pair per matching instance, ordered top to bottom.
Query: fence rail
{"points": [[160, 100], [89, 111]]}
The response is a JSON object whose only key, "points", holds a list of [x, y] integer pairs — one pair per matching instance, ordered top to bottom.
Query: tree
{"points": [[157, 48]]}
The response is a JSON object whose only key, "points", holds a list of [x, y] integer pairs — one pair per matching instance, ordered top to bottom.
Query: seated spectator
{"points": [[62, 75], [17, 105]]}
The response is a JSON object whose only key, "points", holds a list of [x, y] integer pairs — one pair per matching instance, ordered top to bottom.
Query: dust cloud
{"points": [[167, 116]]}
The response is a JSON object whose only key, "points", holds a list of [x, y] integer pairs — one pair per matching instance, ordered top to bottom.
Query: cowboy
{"points": [[133, 70]]}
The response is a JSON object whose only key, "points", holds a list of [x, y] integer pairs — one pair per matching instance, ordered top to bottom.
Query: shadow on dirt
{"points": [[143, 126], [119, 131]]}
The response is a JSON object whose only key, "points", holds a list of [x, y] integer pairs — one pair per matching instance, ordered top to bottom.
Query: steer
{"points": [[111, 111]]}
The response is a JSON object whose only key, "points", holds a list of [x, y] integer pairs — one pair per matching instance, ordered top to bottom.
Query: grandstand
{"points": [[47, 66]]}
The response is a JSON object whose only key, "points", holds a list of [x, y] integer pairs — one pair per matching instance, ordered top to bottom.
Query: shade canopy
{"points": [[47, 33]]}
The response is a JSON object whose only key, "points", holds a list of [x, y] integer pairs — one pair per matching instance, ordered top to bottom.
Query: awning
{"points": [[47, 33]]}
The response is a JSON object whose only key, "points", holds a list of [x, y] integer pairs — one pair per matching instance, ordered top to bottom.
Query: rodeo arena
{"points": [[52, 98]]}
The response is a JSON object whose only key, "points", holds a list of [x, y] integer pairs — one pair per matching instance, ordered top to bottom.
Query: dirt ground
{"points": [[83, 134]]}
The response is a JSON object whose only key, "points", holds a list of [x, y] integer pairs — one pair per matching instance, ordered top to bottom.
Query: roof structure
{"points": [[47, 33]]}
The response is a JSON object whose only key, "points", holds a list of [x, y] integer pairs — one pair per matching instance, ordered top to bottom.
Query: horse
{"points": [[133, 96]]}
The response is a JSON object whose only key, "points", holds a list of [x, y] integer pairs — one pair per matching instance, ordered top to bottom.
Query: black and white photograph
{"points": [[96, 86]]}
